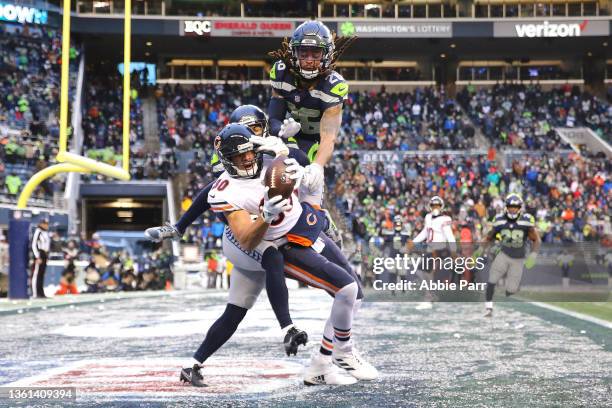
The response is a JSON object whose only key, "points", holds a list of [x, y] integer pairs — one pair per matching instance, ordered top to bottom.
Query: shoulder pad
{"points": [[278, 70], [280, 78], [335, 85], [499, 220], [526, 220]]}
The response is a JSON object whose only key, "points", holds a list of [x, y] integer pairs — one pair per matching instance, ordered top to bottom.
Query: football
{"points": [[278, 181]]}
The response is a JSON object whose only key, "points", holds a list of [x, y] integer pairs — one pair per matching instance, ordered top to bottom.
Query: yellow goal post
{"points": [[71, 162]]}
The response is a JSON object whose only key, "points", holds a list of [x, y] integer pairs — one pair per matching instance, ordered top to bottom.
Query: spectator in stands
{"points": [[523, 116]]}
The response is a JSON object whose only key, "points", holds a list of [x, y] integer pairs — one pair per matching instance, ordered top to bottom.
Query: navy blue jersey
{"points": [[307, 106], [309, 226], [513, 234]]}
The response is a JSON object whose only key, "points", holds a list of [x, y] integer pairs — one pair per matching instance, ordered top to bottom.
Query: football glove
{"points": [[289, 128], [270, 144], [294, 170], [313, 177], [273, 207], [531, 260]]}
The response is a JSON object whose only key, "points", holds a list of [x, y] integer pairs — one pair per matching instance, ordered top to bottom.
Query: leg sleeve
{"points": [[332, 253]]}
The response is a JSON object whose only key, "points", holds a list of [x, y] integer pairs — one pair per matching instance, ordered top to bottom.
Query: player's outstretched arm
{"points": [[277, 110], [329, 128], [198, 207], [533, 235], [421, 236], [536, 241]]}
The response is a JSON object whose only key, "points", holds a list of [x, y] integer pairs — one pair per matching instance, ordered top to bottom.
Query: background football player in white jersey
{"points": [[437, 233]]}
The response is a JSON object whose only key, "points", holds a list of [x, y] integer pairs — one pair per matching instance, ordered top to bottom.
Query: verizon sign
{"points": [[547, 29], [551, 29]]}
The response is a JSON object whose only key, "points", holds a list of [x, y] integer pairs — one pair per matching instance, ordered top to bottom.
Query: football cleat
{"points": [[332, 230], [158, 234], [489, 312], [294, 338], [354, 364], [322, 372], [193, 376]]}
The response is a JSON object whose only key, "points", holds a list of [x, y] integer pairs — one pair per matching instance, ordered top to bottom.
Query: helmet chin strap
{"points": [[309, 74], [435, 212], [513, 216]]}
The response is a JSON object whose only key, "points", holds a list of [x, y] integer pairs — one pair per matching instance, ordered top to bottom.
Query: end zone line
{"points": [[581, 316]]}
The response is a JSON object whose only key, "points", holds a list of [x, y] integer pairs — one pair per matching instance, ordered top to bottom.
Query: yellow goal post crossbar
{"points": [[71, 162]]}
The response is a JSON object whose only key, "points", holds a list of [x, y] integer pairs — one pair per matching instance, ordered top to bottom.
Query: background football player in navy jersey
{"points": [[513, 229]]}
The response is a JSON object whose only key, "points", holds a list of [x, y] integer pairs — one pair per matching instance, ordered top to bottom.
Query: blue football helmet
{"points": [[311, 35], [253, 117], [233, 140], [513, 200]]}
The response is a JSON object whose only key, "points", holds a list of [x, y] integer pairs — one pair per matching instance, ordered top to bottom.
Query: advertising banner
{"points": [[22, 14], [236, 28], [400, 29], [551, 29]]}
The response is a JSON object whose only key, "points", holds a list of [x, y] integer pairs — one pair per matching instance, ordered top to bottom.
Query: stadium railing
{"points": [[407, 9]]}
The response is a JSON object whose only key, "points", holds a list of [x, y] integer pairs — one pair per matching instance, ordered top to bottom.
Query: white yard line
{"points": [[581, 316]]}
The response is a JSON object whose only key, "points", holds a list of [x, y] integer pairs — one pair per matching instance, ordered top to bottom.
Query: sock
{"points": [[276, 287], [489, 292], [489, 305], [356, 307], [342, 314], [287, 328], [220, 332], [342, 336], [327, 344]]}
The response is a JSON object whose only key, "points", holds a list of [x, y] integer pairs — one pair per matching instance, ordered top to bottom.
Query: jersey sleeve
{"points": [[277, 77], [334, 91], [221, 198], [526, 221], [498, 224], [422, 236]]}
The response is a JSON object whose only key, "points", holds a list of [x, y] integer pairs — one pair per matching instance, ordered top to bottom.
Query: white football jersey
{"points": [[231, 194], [436, 229]]}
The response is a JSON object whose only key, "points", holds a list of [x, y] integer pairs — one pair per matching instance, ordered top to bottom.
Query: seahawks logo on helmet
{"points": [[513, 201]]}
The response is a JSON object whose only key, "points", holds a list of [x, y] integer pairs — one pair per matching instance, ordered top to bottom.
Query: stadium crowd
{"points": [[30, 61], [524, 116], [421, 120], [103, 129], [568, 196], [108, 270]]}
